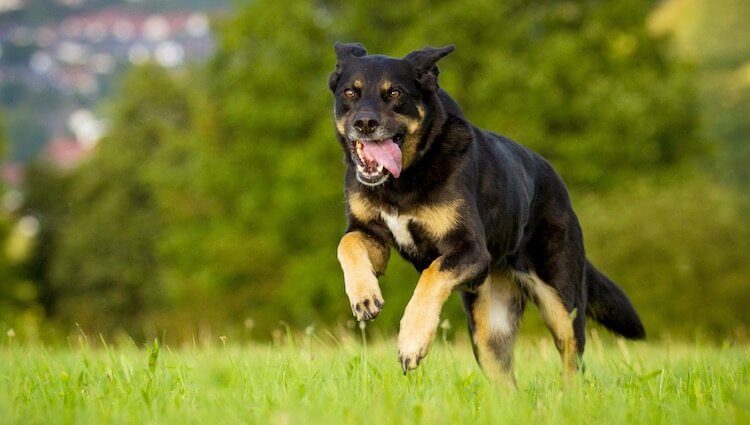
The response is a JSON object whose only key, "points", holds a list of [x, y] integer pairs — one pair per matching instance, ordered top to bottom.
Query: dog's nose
{"points": [[366, 123]]}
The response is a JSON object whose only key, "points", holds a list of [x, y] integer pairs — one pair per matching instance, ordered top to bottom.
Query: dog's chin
{"points": [[372, 178]]}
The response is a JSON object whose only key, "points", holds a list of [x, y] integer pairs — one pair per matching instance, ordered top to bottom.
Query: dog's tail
{"points": [[608, 305]]}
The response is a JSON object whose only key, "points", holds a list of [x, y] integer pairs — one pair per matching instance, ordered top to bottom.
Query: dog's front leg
{"points": [[362, 259], [422, 315]]}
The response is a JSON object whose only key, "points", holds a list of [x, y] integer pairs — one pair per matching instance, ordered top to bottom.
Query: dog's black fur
{"points": [[512, 211]]}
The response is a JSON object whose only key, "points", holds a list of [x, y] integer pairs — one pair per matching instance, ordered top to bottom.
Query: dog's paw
{"points": [[364, 295], [367, 307], [414, 339], [410, 355]]}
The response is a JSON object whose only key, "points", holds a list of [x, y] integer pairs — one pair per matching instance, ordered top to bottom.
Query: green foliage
{"points": [[714, 36], [724, 64], [583, 83], [270, 172], [217, 197], [46, 201], [679, 249], [106, 271], [14, 292], [17, 295], [320, 383]]}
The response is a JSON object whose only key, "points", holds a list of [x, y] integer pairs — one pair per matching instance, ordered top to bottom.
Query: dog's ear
{"points": [[344, 52], [424, 62]]}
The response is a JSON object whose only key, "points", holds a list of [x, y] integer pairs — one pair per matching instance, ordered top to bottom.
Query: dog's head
{"points": [[384, 107]]}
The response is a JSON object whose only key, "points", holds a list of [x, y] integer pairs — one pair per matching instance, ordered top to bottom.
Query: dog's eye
{"points": [[350, 93], [394, 93]]}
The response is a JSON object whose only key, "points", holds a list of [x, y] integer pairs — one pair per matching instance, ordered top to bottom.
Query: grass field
{"points": [[312, 381]]}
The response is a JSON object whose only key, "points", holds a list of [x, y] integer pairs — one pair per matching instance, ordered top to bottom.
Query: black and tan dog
{"points": [[471, 210]]}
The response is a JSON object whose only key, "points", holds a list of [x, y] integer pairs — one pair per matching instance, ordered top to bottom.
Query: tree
{"points": [[713, 35], [581, 82], [268, 172], [45, 193], [217, 195], [682, 259], [106, 272], [9, 285]]}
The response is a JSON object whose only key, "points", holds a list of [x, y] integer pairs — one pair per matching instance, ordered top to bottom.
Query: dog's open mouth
{"points": [[376, 160]]}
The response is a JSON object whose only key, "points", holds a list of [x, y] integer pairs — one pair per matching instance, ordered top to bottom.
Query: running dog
{"points": [[473, 211]]}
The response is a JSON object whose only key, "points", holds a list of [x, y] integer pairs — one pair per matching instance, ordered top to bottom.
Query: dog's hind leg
{"points": [[555, 282], [494, 312], [558, 318]]}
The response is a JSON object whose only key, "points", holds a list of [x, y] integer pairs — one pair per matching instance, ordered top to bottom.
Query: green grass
{"points": [[344, 382]]}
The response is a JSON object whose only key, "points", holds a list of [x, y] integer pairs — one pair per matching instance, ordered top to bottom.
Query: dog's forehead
{"points": [[377, 69]]}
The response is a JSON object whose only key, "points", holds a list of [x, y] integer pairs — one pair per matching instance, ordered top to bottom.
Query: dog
{"points": [[472, 210]]}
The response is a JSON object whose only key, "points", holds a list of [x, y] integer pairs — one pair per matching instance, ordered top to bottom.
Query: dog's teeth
{"points": [[380, 167]]}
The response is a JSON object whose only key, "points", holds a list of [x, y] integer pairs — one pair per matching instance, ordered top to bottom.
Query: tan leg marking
{"points": [[362, 260], [422, 315], [495, 315], [558, 320]]}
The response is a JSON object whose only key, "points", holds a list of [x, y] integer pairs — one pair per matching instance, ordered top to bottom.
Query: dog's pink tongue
{"points": [[387, 153]]}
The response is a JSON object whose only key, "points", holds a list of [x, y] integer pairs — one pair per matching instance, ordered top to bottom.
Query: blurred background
{"points": [[170, 167]]}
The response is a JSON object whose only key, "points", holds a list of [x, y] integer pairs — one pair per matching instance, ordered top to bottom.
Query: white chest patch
{"points": [[399, 227]]}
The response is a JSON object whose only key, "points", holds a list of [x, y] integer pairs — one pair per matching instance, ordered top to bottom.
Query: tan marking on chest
{"points": [[361, 208], [436, 220], [439, 220]]}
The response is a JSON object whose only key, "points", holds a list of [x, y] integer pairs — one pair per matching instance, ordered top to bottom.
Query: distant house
{"points": [[10, 5], [79, 56], [64, 154], [12, 174]]}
